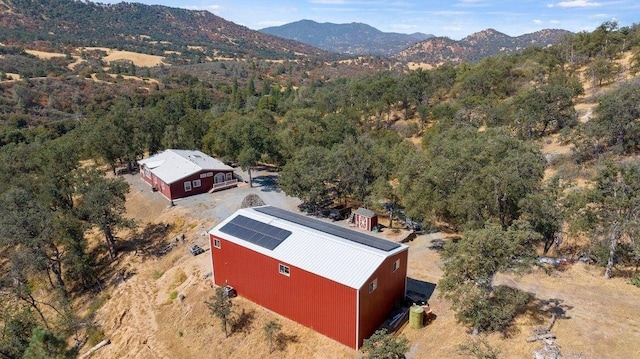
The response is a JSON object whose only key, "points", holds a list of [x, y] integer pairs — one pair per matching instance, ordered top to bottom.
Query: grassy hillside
{"points": [[137, 27]]}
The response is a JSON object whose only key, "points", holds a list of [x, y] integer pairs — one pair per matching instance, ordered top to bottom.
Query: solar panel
{"points": [[256, 232], [358, 237]]}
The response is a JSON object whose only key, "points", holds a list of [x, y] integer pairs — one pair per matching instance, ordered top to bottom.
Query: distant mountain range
{"points": [[160, 30], [352, 39], [362, 39], [439, 50]]}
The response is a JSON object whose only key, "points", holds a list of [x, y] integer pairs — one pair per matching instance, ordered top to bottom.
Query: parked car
{"points": [[340, 213], [413, 225], [195, 250]]}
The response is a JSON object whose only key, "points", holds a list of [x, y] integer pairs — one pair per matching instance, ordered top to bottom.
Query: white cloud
{"points": [[576, 3], [537, 21]]}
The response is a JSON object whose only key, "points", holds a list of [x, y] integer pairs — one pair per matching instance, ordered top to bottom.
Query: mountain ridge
{"points": [[134, 26], [351, 38], [476, 46]]}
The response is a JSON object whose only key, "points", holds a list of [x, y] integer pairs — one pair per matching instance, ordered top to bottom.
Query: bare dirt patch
{"points": [[44, 55], [138, 59], [419, 65], [13, 77]]}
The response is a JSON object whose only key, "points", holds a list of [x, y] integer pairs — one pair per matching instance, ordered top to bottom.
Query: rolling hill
{"points": [[136, 27], [351, 39], [477, 46]]}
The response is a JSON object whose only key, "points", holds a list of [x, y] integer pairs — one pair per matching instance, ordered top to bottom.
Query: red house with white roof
{"points": [[181, 173], [340, 282]]}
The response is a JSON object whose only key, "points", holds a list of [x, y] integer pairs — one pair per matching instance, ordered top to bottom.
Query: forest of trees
{"points": [[477, 168]]}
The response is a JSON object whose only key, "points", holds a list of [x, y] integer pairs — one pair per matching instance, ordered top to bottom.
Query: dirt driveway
{"points": [[209, 208]]}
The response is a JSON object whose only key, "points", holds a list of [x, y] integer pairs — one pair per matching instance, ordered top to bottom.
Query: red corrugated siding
{"points": [[145, 178], [176, 189], [325, 306], [376, 306]]}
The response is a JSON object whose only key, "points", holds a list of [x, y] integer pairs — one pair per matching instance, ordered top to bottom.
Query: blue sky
{"points": [[454, 18]]}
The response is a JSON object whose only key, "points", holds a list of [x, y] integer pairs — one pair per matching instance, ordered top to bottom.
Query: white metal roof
{"points": [[172, 165], [365, 212], [329, 256]]}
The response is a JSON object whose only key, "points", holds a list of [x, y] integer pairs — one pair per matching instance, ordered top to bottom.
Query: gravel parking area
{"points": [[214, 207]]}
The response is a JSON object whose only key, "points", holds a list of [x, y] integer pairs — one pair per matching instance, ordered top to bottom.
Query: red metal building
{"points": [[181, 173], [365, 219], [339, 282]]}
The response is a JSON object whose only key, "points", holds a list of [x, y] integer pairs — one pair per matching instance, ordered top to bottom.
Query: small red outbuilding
{"points": [[181, 173], [365, 219], [339, 282]]}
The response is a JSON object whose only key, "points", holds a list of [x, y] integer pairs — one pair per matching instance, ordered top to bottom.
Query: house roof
{"points": [[172, 165], [365, 212], [333, 252]]}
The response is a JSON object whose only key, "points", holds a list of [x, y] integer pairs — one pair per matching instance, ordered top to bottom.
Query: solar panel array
{"points": [[256, 232], [358, 237]]}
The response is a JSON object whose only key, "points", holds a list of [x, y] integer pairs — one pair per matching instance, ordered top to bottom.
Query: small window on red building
{"points": [[197, 183], [187, 186], [216, 243], [396, 265], [284, 270], [373, 285]]}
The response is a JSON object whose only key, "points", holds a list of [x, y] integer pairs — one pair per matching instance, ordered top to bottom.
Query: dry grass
{"points": [[44, 55], [138, 59], [419, 65], [13, 77], [143, 322]]}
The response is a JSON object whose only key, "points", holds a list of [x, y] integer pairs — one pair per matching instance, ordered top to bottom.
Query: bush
{"points": [[156, 275], [94, 335], [383, 345], [479, 349]]}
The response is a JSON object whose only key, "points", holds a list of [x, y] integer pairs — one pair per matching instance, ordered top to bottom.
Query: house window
{"points": [[147, 172], [209, 174], [203, 175], [229, 176], [196, 183], [187, 186], [216, 243], [396, 265], [283, 269], [373, 285]]}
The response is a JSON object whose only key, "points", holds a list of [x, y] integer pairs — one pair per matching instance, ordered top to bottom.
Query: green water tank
{"points": [[416, 316]]}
